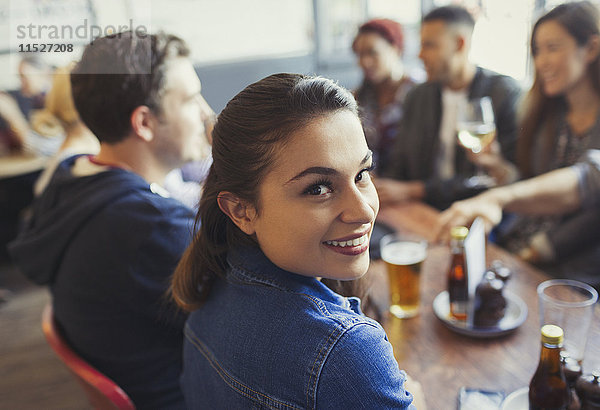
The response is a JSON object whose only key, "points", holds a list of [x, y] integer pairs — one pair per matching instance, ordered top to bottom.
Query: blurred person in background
{"points": [[378, 46], [59, 106], [18, 107], [560, 124], [17, 139], [428, 164], [105, 235]]}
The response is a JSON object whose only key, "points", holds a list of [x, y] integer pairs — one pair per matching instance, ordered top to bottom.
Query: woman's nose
{"points": [[540, 60], [365, 62], [359, 206]]}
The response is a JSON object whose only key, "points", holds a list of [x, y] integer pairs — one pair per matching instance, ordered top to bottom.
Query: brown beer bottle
{"points": [[458, 290], [548, 389]]}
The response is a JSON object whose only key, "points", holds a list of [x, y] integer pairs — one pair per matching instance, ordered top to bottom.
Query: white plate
{"points": [[515, 315], [517, 400]]}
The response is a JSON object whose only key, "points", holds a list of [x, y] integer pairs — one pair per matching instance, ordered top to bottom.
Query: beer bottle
{"points": [[458, 288], [548, 389]]}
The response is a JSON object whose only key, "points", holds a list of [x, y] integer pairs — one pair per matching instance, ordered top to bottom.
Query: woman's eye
{"points": [[554, 47], [364, 175], [318, 189]]}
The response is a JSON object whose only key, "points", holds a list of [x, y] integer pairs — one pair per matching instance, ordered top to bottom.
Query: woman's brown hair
{"points": [[580, 20], [246, 138]]}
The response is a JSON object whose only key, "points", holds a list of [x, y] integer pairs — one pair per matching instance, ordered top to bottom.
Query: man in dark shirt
{"points": [[428, 164], [105, 236]]}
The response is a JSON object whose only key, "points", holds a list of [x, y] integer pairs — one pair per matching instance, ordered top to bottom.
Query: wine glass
{"points": [[476, 129]]}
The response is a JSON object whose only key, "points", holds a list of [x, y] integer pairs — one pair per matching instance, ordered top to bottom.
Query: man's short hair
{"points": [[451, 15], [119, 73]]}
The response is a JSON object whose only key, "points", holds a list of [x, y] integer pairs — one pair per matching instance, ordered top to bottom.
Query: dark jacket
{"points": [[417, 145], [107, 245]]}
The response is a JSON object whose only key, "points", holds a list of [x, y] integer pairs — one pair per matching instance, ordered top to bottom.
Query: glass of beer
{"points": [[403, 256]]}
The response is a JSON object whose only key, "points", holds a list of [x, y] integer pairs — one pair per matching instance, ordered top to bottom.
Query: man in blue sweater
{"points": [[105, 236]]}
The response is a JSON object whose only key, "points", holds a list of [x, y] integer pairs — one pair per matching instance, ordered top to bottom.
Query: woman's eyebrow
{"points": [[315, 170], [325, 171]]}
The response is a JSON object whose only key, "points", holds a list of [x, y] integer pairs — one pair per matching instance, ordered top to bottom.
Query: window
{"points": [[228, 30], [501, 36]]}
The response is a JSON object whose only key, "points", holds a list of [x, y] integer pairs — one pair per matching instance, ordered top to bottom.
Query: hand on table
{"points": [[392, 191], [464, 213]]}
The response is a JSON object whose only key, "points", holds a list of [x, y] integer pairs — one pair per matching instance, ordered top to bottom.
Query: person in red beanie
{"points": [[378, 46]]}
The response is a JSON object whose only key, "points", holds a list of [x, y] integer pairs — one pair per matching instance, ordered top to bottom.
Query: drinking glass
{"points": [[476, 129], [403, 256], [570, 305]]}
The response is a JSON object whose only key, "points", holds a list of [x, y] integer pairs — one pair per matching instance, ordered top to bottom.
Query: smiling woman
{"points": [[317, 192], [288, 200]]}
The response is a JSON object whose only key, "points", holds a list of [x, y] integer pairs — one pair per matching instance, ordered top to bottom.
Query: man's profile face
{"points": [[438, 46], [180, 136]]}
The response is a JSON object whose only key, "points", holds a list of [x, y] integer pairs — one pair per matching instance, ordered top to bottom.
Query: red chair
{"points": [[101, 391]]}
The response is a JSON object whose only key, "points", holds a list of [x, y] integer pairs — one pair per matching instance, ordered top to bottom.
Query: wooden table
{"points": [[443, 361]]}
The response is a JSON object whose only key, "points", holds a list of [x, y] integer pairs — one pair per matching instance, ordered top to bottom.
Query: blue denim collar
{"points": [[250, 265]]}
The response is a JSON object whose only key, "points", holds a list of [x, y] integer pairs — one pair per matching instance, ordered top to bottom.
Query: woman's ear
{"points": [[593, 46], [239, 211]]}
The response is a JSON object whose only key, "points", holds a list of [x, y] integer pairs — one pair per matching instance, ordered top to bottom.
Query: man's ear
{"points": [[461, 42], [142, 123], [240, 212]]}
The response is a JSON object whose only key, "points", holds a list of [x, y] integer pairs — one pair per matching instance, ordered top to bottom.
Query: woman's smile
{"points": [[351, 247]]}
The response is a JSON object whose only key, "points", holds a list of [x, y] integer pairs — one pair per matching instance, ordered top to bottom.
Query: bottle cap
{"points": [[459, 232], [552, 335]]}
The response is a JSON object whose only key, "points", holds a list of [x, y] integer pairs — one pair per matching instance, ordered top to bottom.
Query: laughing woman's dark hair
{"points": [[580, 20], [248, 133]]}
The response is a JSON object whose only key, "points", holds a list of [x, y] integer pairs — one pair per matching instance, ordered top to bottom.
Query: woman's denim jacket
{"points": [[267, 338]]}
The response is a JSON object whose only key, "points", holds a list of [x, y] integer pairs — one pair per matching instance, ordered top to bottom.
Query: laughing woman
{"points": [[561, 123], [288, 200]]}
